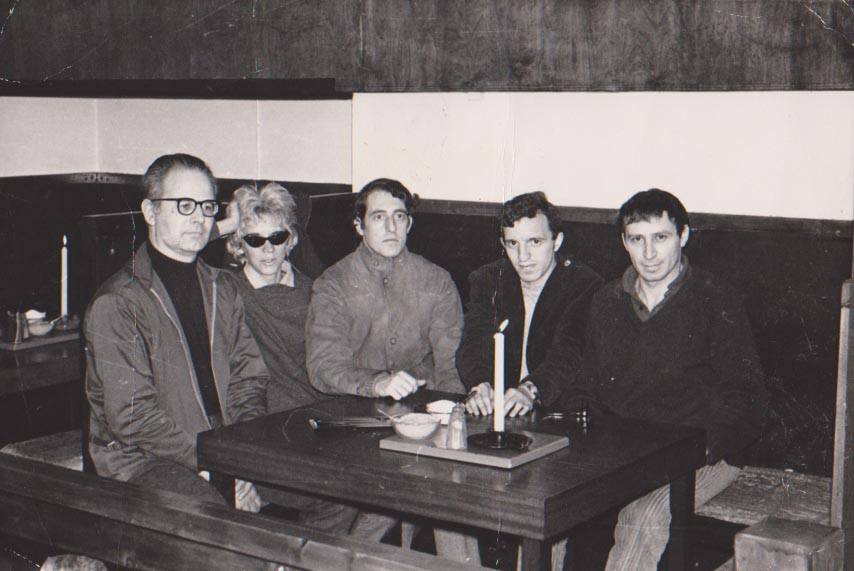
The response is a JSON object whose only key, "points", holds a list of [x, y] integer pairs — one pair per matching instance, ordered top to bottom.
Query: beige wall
{"points": [[293, 140], [757, 153]]}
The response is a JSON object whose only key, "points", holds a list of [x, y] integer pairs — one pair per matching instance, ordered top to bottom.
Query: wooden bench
{"points": [[798, 521], [126, 525]]}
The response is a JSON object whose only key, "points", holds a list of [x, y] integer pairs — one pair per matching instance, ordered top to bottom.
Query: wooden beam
{"points": [[842, 509]]}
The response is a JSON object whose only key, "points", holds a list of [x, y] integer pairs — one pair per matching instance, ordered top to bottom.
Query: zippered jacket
{"points": [[370, 316], [141, 386]]}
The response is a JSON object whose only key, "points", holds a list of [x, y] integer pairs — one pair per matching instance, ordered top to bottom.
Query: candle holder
{"points": [[67, 323], [504, 440]]}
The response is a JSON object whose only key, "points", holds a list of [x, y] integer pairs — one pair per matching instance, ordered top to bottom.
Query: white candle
{"points": [[63, 278], [498, 388]]}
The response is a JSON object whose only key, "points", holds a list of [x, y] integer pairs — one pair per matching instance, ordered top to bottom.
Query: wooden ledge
{"points": [[759, 493]]}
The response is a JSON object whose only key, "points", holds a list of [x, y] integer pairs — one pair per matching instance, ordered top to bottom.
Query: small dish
{"points": [[39, 327], [441, 409], [415, 425]]}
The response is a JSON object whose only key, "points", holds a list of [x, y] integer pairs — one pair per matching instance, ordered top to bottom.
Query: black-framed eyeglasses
{"points": [[187, 206], [276, 239]]}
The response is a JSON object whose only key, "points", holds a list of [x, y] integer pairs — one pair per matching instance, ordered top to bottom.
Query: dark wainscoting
{"points": [[35, 211], [790, 272]]}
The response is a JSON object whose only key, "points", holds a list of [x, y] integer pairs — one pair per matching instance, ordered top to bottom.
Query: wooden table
{"points": [[39, 367], [616, 461]]}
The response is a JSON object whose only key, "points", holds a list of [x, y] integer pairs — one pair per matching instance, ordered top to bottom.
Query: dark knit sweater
{"points": [[276, 316], [693, 362]]}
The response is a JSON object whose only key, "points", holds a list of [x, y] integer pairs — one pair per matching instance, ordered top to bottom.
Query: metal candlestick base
{"points": [[67, 323], [500, 441]]}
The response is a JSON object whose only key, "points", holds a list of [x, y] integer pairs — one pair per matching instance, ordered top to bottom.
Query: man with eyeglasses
{"points": [[383, 322], [168, 352]]}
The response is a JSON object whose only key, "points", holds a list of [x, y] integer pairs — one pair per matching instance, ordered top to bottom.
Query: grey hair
{"points": [[152, 180], [272, 201]]}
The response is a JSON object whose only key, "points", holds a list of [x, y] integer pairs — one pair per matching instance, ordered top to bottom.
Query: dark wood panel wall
{"points": [[438, 45], [789, 272]]}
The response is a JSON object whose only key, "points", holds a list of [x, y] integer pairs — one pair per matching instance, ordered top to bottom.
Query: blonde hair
{"points": [[272, 201]]}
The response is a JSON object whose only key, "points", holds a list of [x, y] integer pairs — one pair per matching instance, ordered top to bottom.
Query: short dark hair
{"points": [[152, 180], [391, 186], [653, 203], [528, 206]]}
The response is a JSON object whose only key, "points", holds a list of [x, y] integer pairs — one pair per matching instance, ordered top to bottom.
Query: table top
{"points": [[39, 367], [615, 461]]}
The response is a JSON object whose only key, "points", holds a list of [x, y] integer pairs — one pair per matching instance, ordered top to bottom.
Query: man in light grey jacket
{"points": [[383, 322]]}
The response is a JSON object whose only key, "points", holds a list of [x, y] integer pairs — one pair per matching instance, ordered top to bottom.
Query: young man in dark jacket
{"points": [[546, 299], [670, 342], [168, 352]]}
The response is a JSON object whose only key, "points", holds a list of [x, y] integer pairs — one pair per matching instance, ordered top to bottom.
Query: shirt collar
{"points": [[629, 285]]}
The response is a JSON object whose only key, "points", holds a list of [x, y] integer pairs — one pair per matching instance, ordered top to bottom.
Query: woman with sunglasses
{"points": [[275, 293], [276, 297]]}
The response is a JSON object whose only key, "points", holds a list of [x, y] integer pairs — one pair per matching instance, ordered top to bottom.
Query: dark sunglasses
{"points": [[276, 239]]}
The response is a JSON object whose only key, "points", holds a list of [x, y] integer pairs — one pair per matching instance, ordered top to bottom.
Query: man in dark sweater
{"points": [[670, 342], [168, 352]]}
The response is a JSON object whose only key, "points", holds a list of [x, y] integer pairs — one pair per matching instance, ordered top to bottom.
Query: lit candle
{"points": [[63, 279], [498, 389]]}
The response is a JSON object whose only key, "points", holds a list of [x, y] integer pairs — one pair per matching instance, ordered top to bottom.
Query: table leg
{"points": [[224, 484], [681, 511], [535, 555]]}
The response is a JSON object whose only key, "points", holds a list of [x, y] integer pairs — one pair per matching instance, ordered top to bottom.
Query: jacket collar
{"points": [[380, 264], [140, 267], [513, 285], [510, 291]]}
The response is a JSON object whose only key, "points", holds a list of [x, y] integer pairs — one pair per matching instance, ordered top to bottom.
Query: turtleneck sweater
{"points": [[182, 284]]}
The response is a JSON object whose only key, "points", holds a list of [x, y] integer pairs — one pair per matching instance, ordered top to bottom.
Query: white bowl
{"points": [[39, 327], [415, 425]]}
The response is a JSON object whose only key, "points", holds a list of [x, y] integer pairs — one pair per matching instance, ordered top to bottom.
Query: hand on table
{"points": [[398, 385], [479, 401], [517, 401], [246, 497]]}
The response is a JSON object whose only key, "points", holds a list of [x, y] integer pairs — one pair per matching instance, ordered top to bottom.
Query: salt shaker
{"points": [[457, 432]]}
